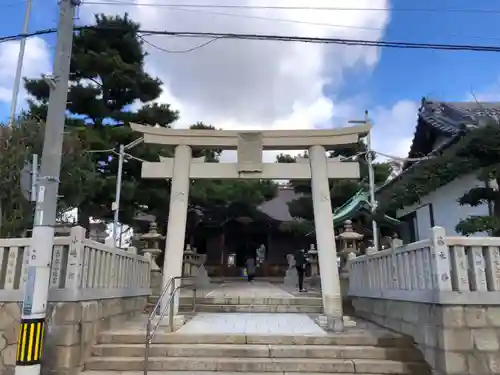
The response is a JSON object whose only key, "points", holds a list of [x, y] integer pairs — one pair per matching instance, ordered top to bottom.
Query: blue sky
{"points": [[442, 75], [399, 76]]}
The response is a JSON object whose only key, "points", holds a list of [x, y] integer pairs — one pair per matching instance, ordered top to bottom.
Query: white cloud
{"points": [[36, 61], [237, 84], [394, 128]]}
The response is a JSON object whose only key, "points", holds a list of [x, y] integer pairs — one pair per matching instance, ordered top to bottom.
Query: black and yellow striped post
{"points": [[30, 342]]}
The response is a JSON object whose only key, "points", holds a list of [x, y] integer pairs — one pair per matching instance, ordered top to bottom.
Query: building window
{"points": [[431, 215], [408, 229]]}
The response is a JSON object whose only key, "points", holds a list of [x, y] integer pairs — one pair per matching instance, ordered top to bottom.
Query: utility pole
{"points": [[19, 69], [371, 177], [371, 182], [116, 205], [28, 359]]}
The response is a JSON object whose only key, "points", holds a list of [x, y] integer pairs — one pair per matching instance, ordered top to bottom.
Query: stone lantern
{"points": [[151, 241], [349, 245], [312, 258], [313, 280]]}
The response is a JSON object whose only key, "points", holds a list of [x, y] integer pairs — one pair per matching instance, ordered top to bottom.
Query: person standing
{"points": [[250, 265], [300, 266]]}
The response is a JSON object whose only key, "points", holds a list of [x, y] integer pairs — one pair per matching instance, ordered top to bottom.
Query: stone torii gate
{"points": [[249, 145]]}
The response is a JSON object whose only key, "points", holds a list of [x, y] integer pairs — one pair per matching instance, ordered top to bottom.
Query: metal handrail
{"points": [[150, 333]]}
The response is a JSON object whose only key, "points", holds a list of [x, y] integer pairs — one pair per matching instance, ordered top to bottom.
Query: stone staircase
{"points": [[305, 305], [359, 352]]}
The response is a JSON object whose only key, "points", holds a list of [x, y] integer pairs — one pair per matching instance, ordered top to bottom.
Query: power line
{"points": [[271, 7], [247, 16], [275, 19], [293, 21], [15, 37], [284, 38], [350, 42], [179, 51]]}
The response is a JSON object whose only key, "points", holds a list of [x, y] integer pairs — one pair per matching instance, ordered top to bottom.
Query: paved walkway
{"points": [[257, 289], [252, 324]]}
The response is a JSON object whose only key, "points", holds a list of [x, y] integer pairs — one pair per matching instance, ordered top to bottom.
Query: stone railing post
{"points": [[396, 242], [440, 257], [75, 259], [135, 269]]}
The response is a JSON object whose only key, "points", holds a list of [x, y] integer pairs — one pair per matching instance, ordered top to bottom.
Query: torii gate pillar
{"points": [[177, 218], [325, 239]]}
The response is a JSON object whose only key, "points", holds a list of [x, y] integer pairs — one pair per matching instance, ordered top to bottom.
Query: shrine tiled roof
{"points": [[452, 117], [451, 120], [353, 207], [277, 208]]}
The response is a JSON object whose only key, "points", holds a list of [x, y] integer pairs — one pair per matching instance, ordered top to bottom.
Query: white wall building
{"points": [[439, 125], [441, 208]]}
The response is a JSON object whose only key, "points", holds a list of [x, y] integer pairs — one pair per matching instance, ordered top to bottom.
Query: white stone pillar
{"points": [[177, 217], [325, 239]]}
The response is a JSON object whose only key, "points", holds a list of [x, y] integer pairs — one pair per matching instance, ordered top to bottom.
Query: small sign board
{"points": [[29, 291]]}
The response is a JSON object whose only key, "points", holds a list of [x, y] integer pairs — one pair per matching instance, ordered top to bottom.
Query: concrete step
{"points": [[303, 301], [212, 308], [343, 339], [257, 351], [245, 365]]}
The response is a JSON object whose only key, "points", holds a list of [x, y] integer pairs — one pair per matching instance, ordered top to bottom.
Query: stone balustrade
{"points": [[82, 269], [437, 270], [92, 287], [444, 291]]}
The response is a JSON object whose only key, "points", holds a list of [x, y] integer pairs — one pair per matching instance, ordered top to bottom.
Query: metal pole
{"points": [[20, 59], [34, 177], [371, 179], [117, 196], [29, 355]]}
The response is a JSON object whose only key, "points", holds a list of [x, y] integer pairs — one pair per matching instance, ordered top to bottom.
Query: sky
{"points": [[274, 85]]}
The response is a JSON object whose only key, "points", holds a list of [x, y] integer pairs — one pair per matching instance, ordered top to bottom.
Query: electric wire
{"points": [[278, 7], [182, 8], [261, 18], [283, 38], [337, 41], [179, 51]]}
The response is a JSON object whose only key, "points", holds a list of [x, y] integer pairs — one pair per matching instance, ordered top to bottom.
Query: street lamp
{"points": [[116, 204], [115, 207]]}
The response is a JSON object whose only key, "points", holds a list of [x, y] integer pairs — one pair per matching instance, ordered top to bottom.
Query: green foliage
{"points": [[107, 80], [109, 89], [17, 144], [475, 151], [464, 157], [285, 158], [340, 190], [211, 194], [478, 196], [302, 208], [474, 224], [299, 227]]}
